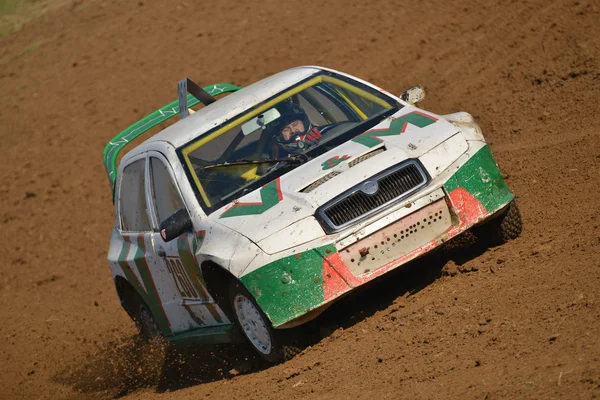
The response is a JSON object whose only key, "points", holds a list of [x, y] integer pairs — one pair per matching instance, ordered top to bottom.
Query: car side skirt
{"points": [[208, 335]]}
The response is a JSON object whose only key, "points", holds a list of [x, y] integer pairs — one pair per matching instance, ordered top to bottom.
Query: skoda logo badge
{"points": [[369, 187]]}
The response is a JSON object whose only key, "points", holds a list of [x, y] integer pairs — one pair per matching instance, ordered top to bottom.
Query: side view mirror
{"points": [[413, 95], [176, 225]]}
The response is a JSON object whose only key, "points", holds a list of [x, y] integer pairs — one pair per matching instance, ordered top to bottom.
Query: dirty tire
{"points": [[500, 230], [144, 321], [254, 324], [292, 342], [289, 351]]}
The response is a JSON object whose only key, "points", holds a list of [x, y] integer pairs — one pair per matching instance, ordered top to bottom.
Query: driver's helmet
{"points": [[290, 112]]}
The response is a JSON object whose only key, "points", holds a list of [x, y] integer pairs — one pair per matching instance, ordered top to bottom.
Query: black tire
{"points": [[506, 227], [144, 321], [273, 346], [291, 348]]}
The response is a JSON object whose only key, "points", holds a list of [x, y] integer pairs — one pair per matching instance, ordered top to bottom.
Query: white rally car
{"points": [[259, 210]]}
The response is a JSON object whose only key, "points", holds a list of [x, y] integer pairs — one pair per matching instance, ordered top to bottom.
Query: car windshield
{"points": [[279, 134]]}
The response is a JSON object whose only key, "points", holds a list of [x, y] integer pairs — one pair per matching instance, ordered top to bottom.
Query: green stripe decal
{"points": [[398, 126], [333, 161], [481, 177], [270, 194], [197, 241], [191, 268], [129, 274], [291, 286], [152, 298]]}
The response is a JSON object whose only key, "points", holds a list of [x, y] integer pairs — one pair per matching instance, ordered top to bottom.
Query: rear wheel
{"points": [[507, 226], [145, 322], [270, 344]]}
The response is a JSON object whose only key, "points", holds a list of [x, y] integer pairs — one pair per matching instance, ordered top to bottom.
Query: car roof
{"points": [[228, 107]]}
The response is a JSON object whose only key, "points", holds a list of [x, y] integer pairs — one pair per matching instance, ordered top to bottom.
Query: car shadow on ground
{"points": [[380, 293], [128, 364]]}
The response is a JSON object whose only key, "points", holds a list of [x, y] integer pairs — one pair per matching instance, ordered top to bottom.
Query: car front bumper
{"points": [[294, 289]]}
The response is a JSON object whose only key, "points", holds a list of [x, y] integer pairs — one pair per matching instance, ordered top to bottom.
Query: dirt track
{"points": [[517, 321]]}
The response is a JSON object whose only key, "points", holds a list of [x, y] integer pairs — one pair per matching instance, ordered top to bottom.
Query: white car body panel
{"points": [[297, 206], [287, 234]]}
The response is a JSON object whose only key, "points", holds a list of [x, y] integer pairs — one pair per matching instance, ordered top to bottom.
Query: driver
{"points": [[292, 131]]}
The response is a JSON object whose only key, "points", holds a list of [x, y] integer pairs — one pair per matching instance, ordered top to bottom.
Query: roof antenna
{"points": [[186, 86]]}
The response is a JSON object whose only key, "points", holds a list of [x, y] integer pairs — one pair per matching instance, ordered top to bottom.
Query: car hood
{"points": [[287, 205]]}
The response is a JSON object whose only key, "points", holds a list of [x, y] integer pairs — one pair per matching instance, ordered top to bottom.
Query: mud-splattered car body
{"points": [[295, 238]]}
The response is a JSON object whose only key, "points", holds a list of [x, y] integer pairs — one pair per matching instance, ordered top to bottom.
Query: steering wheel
{"points": [[328, 128]]}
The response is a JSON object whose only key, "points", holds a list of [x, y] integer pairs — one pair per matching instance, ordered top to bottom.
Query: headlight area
{"points": [[467, 125], [442, 156], [296, 234]]}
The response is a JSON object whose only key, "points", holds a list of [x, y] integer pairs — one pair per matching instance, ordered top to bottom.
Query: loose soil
{"points": [[520, 320]]}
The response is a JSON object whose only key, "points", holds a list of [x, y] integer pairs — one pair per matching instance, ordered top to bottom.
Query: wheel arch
{"points": [[217, 280], [127, 294]]}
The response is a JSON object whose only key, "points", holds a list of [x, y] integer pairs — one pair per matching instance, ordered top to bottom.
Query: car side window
{"points": [[164, 192], [132, 199]]}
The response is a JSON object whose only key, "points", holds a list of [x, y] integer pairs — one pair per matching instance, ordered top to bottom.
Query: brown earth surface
{"points": [[517, 321]]}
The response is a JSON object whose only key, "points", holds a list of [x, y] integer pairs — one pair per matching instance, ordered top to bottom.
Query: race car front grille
{"points": [[372, 195]]}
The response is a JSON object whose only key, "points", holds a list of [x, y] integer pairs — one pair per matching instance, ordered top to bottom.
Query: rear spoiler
{"points": [[196, 95]]}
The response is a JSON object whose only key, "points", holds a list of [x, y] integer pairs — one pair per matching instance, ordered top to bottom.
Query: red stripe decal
{"points": [[425, 115], [278, 189], [333, 284]]}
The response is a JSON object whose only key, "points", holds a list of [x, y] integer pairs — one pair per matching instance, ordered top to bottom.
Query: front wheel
{"points": [[500, 230], [257, 328]]}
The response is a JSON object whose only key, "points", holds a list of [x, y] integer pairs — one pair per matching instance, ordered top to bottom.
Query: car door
{"points": [[137, 257], [190, 302]]}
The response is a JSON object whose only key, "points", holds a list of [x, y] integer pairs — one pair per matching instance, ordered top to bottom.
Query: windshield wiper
{"points": [[290, 160]]}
